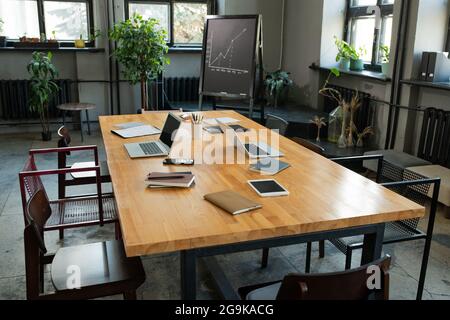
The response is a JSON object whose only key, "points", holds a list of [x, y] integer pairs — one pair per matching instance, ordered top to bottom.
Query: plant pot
{"points": [[2, 42], [79, 43], [344, 64], [356, 65], [385, 66], [46, 136]]}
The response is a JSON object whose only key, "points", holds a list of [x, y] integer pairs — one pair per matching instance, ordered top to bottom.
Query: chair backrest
{"points": [[276, 123], [63, 142], [309, 145], [413, 191], [37, 213], [347, 285]]}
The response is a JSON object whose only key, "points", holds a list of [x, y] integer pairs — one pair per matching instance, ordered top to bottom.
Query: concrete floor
{"points": [[163, 270]]}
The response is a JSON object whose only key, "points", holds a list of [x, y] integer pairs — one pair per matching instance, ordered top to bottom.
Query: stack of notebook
{"points": [[170, 180]]}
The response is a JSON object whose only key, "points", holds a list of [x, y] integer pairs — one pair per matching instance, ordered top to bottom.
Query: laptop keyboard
{"points": [[151, 148]]}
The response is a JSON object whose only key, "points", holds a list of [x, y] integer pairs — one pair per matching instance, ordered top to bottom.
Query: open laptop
{"points": [[156, 148], [259, 150]]}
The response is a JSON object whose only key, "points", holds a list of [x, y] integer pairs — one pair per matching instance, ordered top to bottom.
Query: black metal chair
{"points": [[276, 123], [413, 187]]}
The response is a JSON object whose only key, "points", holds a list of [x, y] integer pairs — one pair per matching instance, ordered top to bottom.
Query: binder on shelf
{"points": [[438, 67], [423, 72]]}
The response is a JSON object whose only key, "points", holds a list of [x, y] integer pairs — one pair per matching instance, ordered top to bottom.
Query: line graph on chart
{"points": [[225, 61]]}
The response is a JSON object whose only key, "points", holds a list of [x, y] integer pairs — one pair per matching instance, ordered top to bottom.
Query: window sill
{"points": [[60, 49], [185, 49], [378, 76], [425, 84]]}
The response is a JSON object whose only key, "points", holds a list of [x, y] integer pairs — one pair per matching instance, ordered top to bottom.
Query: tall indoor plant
{"points": [[141, 49], [42, 88]]}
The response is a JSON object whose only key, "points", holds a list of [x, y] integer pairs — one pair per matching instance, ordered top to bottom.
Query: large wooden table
{"points": [[325, 201]]}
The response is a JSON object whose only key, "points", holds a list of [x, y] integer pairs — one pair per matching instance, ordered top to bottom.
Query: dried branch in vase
{"points": [[319, 123]]}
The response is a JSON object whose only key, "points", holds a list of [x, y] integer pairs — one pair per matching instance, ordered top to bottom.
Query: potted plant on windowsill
{"points": [[2, 38], [141, 49], [345, 53], [356, 62], [385, 63], [277, 85], [42, 88]]}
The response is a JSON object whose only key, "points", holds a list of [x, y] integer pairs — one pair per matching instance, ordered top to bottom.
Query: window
{"points": [[64, 19], [183, 20], [368, 29]]}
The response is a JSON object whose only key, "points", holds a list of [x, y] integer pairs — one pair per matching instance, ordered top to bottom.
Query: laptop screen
{"points": [[170, 127]]}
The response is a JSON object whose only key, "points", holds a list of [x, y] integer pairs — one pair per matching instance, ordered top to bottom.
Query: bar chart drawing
{"points": [[225, 61]]}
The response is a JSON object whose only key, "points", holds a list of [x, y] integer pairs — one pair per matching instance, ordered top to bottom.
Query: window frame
{"points": [[211, 5], [387, 10], [63, 43]]}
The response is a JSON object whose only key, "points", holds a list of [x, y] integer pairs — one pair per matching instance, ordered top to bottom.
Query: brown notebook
{"points": [[178, 180], [232, 202]]}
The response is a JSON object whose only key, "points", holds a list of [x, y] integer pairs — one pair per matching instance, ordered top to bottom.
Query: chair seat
{"points": [[401, 160], [104, 171], [436, 172], [80, 211], [393, 232], [99, 264], [265, 293]]}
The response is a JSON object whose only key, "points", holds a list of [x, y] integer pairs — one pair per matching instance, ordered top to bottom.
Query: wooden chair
{"points": [[276, 123], [79, 178], [70, 212], [103, 268], [347, 285]]}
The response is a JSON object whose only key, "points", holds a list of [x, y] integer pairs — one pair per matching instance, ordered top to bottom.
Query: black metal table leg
{"points": [[88, 123], [81, 128], [373, 245], [188, 266]]}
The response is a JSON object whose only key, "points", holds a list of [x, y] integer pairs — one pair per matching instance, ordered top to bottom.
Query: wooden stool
{"points": [[80, 107]]}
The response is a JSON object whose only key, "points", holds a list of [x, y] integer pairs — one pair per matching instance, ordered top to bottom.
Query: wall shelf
{"points": [[361, 74], [425, 84]]}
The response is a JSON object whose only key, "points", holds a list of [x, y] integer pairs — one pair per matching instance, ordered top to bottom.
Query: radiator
{"points": [[178, 90], [14, 95], [363, 116], [434, 144]]}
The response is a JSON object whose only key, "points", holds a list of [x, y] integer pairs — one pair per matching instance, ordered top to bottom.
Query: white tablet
{"points": [[268, 188]]}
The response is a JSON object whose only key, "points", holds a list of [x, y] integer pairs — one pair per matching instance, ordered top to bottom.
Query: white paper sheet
{"points": [[213, 121], [135, 132]]}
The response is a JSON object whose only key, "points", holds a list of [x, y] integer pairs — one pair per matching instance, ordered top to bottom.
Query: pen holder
{"points": [[197, 131]]}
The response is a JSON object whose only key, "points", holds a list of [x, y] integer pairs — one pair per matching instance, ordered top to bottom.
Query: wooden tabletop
{"points": [[323, 196]]}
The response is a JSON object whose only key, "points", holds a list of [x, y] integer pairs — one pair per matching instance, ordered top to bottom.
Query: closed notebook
{"points": [[178, 180], [232, 202]]}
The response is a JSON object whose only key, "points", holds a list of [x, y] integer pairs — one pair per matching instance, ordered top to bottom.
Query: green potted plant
{"points": [[2, 38], [141, 49], [345, 53], [385, 56], [356, 62], [277, 85], [42, 88]]}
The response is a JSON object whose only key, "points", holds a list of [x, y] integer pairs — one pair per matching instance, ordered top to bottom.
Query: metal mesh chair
{"points": [[276, 123], [415, 188], [71, 212]]}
